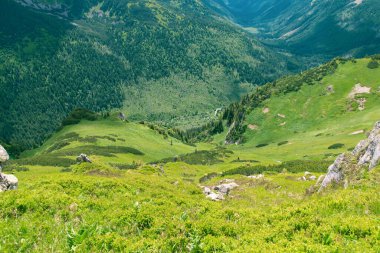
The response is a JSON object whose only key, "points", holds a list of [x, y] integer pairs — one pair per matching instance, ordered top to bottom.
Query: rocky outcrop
{"points": [[365, 155], [7, 182], [219, 192]]}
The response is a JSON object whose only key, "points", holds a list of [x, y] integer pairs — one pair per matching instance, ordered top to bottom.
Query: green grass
{"points": [[315, 119], [125, 142], [146, 211]]}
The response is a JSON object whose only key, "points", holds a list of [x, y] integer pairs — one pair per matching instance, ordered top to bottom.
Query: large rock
{"points": [[366, 154], [3, 155], [83, 158], [8, 182], [226, 188]]}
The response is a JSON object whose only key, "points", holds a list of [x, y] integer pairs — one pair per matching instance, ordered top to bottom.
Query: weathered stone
{"points": [[366, 153], [3, 155], [83, 158], [335, 171], [256, 176], [313, 178], [8, 182], [225, 188], [215, 196]]}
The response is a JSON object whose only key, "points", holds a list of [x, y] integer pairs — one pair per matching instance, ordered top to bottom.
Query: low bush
{"points": [[373, 64], [282, 143], [262, 145], [336, 146], [296, 166]]}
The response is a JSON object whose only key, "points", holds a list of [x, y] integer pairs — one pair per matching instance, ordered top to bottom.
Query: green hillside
{"points": [[60, 55], [303, 124], [142, 193]]}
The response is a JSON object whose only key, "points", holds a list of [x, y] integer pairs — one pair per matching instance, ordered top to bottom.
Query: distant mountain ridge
{"points": [[343, 27]]}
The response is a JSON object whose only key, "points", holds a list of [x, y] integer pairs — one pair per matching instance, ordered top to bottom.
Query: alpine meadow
{"points": [[189, 126]]}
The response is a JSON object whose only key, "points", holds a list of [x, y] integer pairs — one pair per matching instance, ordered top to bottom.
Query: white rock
{"points": [[3, 155], [256, 176], [312, 178], [8, 182], [215, 196]]}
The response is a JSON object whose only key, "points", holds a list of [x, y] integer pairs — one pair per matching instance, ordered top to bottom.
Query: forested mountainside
{"points": [[324, 27], [60, 55]]}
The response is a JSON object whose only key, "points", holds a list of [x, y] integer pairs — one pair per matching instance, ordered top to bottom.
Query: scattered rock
{"points": [[330, 89], [359, 89], [361, 102], [266, 110], [122, 116], [281, 116], [283, 124], [253, 127], [357, 132], [83, 158], [256, 176], [308, 176], [312, 178], [224, 181], [8, 182], [225, 188], [218, 192], [215, 196], [73, 207]]}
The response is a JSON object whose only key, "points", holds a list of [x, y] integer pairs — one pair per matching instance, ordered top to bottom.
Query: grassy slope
{"points": [[314, 119], [152, 144], [146, 210]]}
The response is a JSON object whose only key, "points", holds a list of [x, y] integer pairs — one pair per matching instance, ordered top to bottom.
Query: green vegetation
{"points": [[161, 61], [373, 65], [69, 69], [77, 115], [297, 166], [142, 192]]}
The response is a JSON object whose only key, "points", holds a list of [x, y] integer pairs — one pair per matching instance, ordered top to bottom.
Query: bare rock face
{"points": [[366, 154]]}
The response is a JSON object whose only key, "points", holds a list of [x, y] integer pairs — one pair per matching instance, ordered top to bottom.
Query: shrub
{"points": [[373, 64], [77, 115], [282, 143], [262, 145], [336, 146], [296, 166]]}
